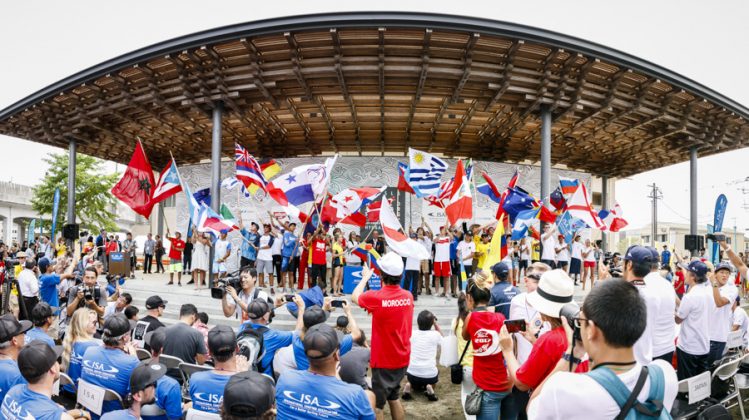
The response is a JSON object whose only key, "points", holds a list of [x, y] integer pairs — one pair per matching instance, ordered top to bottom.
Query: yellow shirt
{"points": [[536, 248], [338, 249], [61, 250], [483, 250], [468, 358]]}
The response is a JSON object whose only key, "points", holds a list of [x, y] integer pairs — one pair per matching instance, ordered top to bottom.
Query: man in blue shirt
{"points": [[250, 244], [288, 247], [665, 256], [51, 278], [502, 291], [259, 312], [314, 316], [43, 317], [12, 338], [38, 365], [110, 366], [143, 382], [207, 388], [168, 391], [315, 393], [249, 395]]}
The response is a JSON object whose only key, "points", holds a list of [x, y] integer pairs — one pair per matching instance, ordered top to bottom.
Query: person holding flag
{"points": [[175, 257]]}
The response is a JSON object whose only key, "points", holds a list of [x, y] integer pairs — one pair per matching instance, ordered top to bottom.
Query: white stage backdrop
{"points": [[364, 172]]}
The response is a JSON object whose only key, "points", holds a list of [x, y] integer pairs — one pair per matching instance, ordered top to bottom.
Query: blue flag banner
{"points": [[203, 196], [516, 201], [55, 208], [720, 212], [568, 226], [30, 233], [709, 244]]}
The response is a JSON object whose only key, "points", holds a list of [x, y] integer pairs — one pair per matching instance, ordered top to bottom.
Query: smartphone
{"points": [[288, 298], [337, 303], [515, 325]]}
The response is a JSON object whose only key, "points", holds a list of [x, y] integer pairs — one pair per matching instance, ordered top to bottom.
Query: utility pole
{"points": [[655, 195]]}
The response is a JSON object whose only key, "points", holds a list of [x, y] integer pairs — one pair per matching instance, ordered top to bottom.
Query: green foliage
{"points": [[93, 200]]}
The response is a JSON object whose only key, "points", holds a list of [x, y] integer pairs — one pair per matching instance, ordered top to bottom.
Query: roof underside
{"points": [[379, 83]]}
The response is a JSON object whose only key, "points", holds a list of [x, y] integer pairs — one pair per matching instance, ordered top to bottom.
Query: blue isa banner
{"points": [[352, 277]]}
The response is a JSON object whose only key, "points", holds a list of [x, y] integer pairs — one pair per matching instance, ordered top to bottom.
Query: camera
{"points": [[716, 237], [608, 260], [10, 268], [219, 291], [88, 293], [337, 303], [571, 311]]}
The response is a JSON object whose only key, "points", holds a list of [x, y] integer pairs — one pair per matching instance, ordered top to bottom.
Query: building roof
{"points": [[378, 83]]}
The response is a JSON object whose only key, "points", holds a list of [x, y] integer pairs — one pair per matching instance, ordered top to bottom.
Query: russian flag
{"points": [[568, 185]]}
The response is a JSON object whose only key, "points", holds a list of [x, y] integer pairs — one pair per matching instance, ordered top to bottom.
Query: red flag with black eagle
{"points": [[135, 188]]}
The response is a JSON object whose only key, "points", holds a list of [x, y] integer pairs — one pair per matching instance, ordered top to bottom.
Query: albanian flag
{"points": [[135, 188]]}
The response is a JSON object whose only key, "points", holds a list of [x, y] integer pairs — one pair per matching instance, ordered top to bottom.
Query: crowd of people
{"points": [[521, 346]]}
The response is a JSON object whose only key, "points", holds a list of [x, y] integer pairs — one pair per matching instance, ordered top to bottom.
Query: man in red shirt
{"points": [[175, 257], [319, 259], [392, 310]]}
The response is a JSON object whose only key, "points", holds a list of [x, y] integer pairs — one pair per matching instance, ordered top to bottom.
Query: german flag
{"points": [[270, 168]]}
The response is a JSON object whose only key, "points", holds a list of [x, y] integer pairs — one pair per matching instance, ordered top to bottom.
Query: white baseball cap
{"points": [[391, 264]]}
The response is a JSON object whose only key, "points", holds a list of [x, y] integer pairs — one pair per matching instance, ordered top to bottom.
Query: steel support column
{"points": [[218, 112], [545, 153], [71, 180], [693, 193], [605, 205]]}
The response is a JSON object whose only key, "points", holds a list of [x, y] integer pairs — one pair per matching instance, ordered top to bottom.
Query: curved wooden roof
{"points": [[378, 83]]}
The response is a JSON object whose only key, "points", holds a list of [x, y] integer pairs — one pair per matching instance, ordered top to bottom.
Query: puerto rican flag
{"points": [[248, 170], [168, 184], [568, 185], [461, 202], [578, 206], [613, 218], [396, 239]]}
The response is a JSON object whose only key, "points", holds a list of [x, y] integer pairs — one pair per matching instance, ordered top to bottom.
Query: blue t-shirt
{"points": [[253, 238], [289, 243], [454, 248], [665, 257], [48, 290], [502, 294], [37, 333], [272, 341], [76, 360], [302, 363], [108, 368], [10, 376], [207, 390], [301, 394], [168, 398], [21, 403], [119, 415]]}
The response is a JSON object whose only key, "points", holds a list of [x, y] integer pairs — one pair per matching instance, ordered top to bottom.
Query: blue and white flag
{"points": [[424, 173], [232, 182], [192, 204], [55, 209], [720, 212], [523, 221], [568, 225]]}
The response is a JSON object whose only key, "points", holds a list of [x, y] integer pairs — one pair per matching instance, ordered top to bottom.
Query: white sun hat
{"points": [[555, 289]]}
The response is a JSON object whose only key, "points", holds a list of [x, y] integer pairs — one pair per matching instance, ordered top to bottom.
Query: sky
{"points": [[45, 41]]}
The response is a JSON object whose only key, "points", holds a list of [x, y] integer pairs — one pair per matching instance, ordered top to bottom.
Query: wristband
{"points": [[570, 358]]}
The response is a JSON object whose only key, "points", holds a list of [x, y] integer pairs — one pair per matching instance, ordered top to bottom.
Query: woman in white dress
{"points": [[200, 252]]}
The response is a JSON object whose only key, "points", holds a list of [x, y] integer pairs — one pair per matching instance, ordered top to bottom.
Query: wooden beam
{"points": [[467, 61], [506, 73]]}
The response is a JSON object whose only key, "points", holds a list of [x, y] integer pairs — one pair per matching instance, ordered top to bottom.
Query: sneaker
{"points": [[407, 396], [431, 396]]}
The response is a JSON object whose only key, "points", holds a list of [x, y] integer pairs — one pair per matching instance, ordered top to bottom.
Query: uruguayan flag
{"points": [[425, 172]]}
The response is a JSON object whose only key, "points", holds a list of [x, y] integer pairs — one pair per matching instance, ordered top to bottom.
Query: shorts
{"points": [[247, 263], [515, 263], [287, 264], [523, 264], [562, 264], [589, 264], [175, 266], [263, 266], [424, 266], [455, 266], [575, 266], [219, 267], [442, 269], [420, 383], [386, 385]]}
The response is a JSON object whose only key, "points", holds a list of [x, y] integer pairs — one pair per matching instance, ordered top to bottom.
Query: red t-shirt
{"points": [[111, 247], [175, 251], [318, 252], [679, 282], [392, 310], [547, 351], [489, 368]]}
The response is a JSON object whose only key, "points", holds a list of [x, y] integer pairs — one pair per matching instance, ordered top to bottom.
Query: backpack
{"points": [[250, 343], [631, 408]]}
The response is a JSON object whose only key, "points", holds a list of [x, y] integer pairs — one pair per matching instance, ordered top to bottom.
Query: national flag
{"points": [[270, 168], [248, 169], [469, 169], [424, 172], [514, 179], [402, 181], [232, 182], [168, 184], [302, 184], [568, 185], [135, 188], [489, 189], [203, 196], [556, 199], [350, 200], [439, 200], [517, 200], [460, 204], [578, 206], [193, 207], [373, 210], [328, 215], [546, 215], [228, 217], [613, 218], [522, 221], [210, 222], [568, 226], [396, 239], [494, 254], [369, 255], [463, 275]]}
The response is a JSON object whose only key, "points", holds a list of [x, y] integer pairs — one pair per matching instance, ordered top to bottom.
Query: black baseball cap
{"points": [[638, 254], [698, 268], [501, 270], [154, 302], [258, 308], [313, 315], [116, 326], [11, 327], [155, 339], [222, 340], [320, 341], [36, 358], [145, 375], [249, 394]]}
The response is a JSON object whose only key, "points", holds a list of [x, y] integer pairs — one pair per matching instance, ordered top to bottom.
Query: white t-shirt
{"points": [[427, 244], [222, 245], [275, 249], [442, 249], [466, 250], [577, 250], [525, 252], [549, 253], [564, 253], [265, 254], [591, 257], [351, 258], [508, 258], [413, 264], [28, 283], [247, 298], [521, 309], [720, 318], [740, 319], [663, 330], [694, 335], [424, 345], [643, 348], [284, 360], [567, 395]]}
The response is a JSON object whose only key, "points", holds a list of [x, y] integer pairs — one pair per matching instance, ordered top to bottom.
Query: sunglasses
{"points": [[536, 277]]}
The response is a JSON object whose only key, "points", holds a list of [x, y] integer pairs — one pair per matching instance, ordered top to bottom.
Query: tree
{"points": [[93, 200]]}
